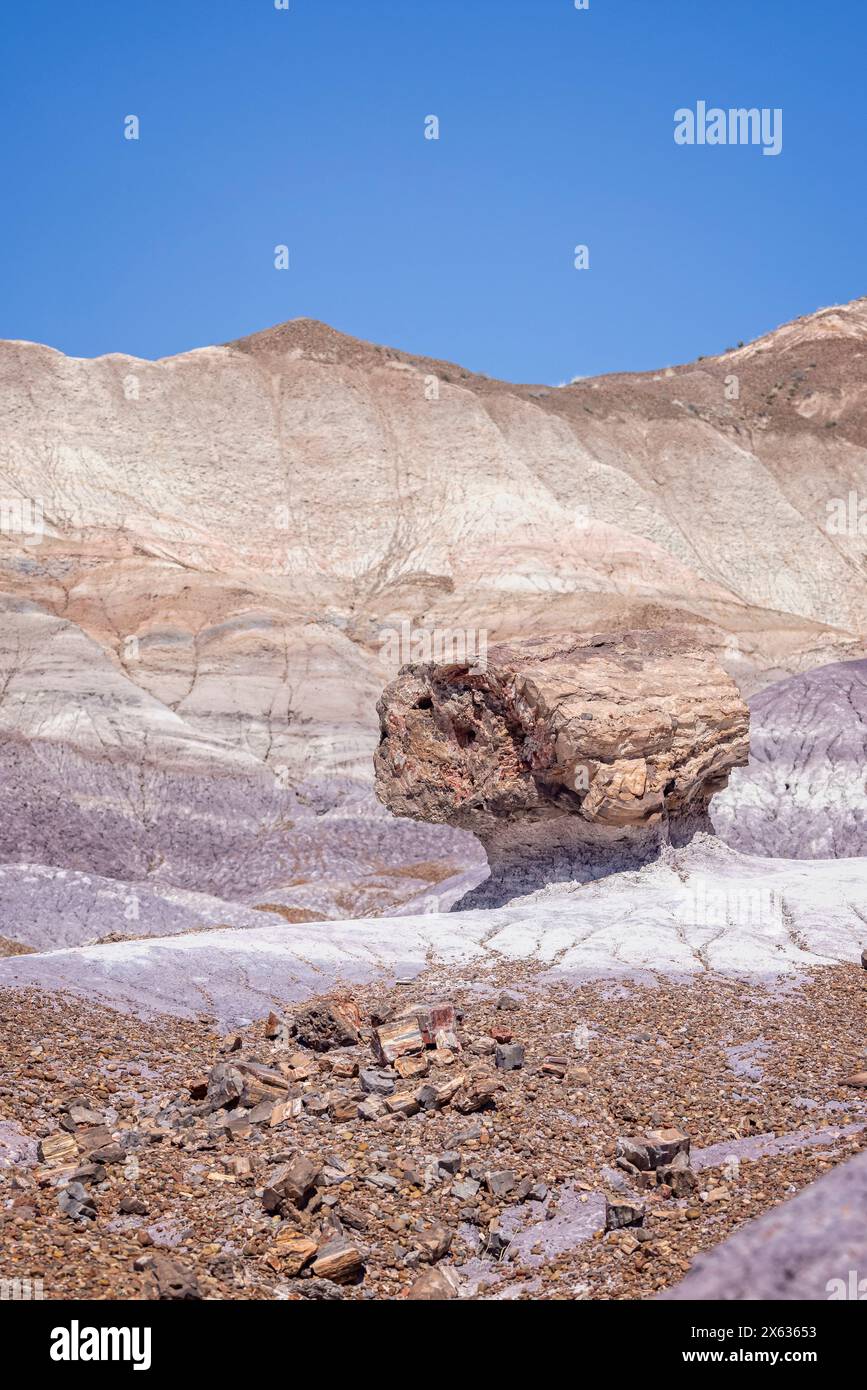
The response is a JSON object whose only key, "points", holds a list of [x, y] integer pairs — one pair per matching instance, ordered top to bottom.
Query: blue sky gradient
{"points": [[306, 127]]}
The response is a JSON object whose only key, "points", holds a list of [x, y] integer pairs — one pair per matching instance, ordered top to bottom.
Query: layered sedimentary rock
{"points": [[207, 563], [566, 756], [106, 785], [804, 793]]}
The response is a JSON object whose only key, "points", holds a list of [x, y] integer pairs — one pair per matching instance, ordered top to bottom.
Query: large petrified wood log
{"points": [[566, 756]]}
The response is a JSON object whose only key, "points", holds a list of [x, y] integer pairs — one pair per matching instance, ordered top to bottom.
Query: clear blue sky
{"points": [[305, 127]]}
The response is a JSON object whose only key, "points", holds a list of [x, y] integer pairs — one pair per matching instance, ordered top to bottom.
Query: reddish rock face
{"points": [[582, 746]]}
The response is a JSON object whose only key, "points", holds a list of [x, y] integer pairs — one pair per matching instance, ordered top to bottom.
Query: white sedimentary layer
{"points": [[701, 909]]}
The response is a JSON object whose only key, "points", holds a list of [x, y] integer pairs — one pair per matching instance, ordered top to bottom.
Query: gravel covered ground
{"points": [[148, 1185]]}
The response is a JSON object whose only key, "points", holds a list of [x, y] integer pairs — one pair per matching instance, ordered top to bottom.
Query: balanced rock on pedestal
{"points": [[568, 757]]}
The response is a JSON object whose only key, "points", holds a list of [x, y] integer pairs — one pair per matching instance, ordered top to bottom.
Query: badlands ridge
{"points": [[230, 541], [207, 564]]}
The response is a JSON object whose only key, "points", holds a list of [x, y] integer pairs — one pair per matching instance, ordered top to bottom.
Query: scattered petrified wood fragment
{"points": [[431, 1019], [327, 1024], [398, 1039], [479, 1093], [663, 1145], [58, 1148], [292, 1183], [621, 1212], [291, 1251], [339, 1261], [173, 1281], [433, 1286]]}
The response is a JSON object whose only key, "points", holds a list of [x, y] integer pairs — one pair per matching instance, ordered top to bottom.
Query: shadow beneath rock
{"points": [[528, 861]]}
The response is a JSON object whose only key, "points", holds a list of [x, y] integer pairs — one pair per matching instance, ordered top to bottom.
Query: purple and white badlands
{"points": [[189, 670], [804, 794], [625, 882]]}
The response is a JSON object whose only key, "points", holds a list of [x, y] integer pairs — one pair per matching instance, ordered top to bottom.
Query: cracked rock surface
{"points": [[587, 753], [804, 793], [699, 910]]}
